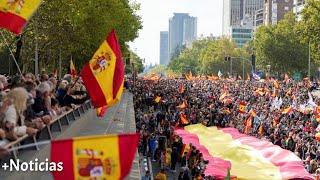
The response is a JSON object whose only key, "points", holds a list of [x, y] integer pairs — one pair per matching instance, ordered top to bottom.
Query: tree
{"points": [[309, 27], [76, 28], [280, 46]]}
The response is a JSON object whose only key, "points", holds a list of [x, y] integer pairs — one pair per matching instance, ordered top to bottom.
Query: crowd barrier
{"points": [[45, 133]]}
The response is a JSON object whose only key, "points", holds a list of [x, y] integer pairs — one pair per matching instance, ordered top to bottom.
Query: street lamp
{"points": [[318, 73]]}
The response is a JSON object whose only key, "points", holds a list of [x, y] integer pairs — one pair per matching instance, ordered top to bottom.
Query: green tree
{"points": [[76, 28], [280, 46]]}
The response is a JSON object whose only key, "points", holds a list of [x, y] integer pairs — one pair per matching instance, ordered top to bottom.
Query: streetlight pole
{"points": [[309, 61], [231, 66], [242, 68]]}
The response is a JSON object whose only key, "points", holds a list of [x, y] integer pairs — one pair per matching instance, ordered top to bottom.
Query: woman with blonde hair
{"points": [[14, 119]]}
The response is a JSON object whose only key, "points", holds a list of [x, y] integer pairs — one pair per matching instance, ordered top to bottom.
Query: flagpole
{"points": [[5, 40], [29, 145]]}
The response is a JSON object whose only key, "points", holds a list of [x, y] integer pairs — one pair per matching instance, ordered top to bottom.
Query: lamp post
{"points": [[309, 60], [318, 73]]}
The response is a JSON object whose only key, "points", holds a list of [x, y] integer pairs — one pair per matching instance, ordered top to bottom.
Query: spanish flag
{"points": [[14, 14], [73, 71], [103, 76], [154, 77], [188, 77], [276, 84], [181, 89], [157, 99], [183, 105], [242, 107], [287, 110], [317, 110], [101, 111], [253, 113], [318, 118], [184, 119], [275, 121], [248, 125], [260, 129], [318, 136], [185, 148], [94, 157], [246, 157]]}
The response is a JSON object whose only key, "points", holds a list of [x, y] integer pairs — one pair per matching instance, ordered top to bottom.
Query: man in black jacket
{"points": [[174, 159]]}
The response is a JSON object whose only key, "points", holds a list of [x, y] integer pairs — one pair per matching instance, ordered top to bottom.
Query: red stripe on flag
{"points": [[12, 22], [119, 69], [95, 92], [128, 144], [62, 151], [216, 167], [291, 167]]}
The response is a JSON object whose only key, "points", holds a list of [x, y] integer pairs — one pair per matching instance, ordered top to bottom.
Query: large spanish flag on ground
{"points": [[14, 14], [103, 76], [95, 157], [247, 157]]}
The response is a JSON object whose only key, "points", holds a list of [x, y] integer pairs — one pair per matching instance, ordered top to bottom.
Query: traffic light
{"points": [[227, 58], [253, 61]]}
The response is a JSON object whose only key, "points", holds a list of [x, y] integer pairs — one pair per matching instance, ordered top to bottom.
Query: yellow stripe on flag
{"points": [[24, 8], [105, 76], [83, 157], [247, 163]]}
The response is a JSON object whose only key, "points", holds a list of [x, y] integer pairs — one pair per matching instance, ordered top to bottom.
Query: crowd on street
{"points": [[29, 102], [286, 114]]}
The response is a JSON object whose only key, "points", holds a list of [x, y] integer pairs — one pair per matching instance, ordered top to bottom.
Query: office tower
{"points": [[235, 10], [182, 30], [164, 47]]}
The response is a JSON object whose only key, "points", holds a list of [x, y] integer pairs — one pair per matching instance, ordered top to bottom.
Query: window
{"points": [[286, 8]]}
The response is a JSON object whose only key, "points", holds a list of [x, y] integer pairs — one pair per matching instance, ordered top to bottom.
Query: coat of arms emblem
{"points": [[14, 5]]}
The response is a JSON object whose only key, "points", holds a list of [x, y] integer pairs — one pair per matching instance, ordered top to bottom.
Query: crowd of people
{"points": [[29, 103], [286, 114]]}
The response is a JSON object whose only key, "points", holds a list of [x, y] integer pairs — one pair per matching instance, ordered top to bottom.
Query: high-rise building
{"points": [[298, 6], [235, 10], [274, 10], [258, 19], [182, 29], [242, 33], [164, 47]]}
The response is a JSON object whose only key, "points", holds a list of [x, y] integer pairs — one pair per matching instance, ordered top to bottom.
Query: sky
{"points": [[155, 17]]}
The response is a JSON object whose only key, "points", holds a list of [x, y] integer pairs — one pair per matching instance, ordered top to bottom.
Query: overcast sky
{"points": [[155, 16]]}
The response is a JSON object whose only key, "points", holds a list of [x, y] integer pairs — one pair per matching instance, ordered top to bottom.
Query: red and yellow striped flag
{"points": [[14, 14], [73, 71], [103, 76], [276, 84], [181, 89], [157, 99], [183, 105], [242, 107], [287, 110], [101, 111], [184, 119], [186, 148], [227, 149], [95, 157]]}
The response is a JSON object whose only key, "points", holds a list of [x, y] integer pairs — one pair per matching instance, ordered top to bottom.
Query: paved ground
{"points": [[118, 119]]}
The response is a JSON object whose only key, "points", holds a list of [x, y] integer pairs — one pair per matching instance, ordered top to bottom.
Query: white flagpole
{"points": [[5, 40], [29, 145]]}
